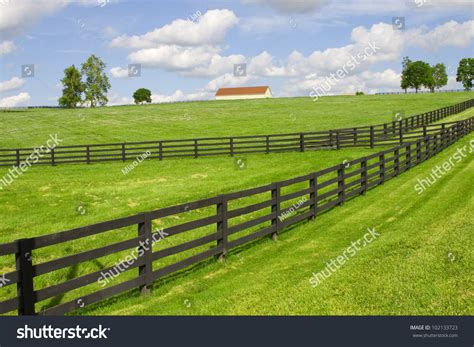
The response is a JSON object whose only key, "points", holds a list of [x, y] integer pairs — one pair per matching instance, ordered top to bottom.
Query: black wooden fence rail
{"points": [[368, 136], [228, 227]]}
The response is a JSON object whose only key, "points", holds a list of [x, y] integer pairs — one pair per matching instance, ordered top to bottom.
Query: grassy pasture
{"points": [[212, 118], [50, 199], [421, 264]]}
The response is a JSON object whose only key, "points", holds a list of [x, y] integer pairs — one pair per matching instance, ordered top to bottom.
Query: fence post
{"points": [[400, 125], [424, 130], [355, 135], [371, 136], [330, 138], [338, 140], [302, 142], [267, 144], [231, 146], [195, 149], [160, 150], [418, 151], [88, 154], [124, 157], [18, 158], [53, 159], [382, 168], [363, 175], [341, 185], [313, 196], [276, 208], [222, 226], [146, 247], [24, 266]]}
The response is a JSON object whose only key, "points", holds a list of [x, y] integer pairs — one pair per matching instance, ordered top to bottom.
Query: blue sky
{"points": [[187, 49]]}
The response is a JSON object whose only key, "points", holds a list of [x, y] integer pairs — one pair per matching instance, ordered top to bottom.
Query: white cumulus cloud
{"points": [[209, 29], [118, 72], [11, 84], [21, 99]]}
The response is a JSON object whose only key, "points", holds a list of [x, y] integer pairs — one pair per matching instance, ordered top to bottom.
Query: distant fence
{"points": [[423, 92], [392, 133], [231, 220]]}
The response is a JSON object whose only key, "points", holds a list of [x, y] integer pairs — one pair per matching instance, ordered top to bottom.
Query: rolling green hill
{"points": [[211, 118]]}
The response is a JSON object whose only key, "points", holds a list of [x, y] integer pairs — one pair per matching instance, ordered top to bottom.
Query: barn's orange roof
{"points": [[242, 91]]}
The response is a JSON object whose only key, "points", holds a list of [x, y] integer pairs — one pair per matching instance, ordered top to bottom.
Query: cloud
{"points": [[286, 6], [16, 16], [209, 29], [450, 33], [6, 47], [174, 57], [118, 72], [228, 80], [367, 81], [12, 84], [179, 95], [21, 99], [116, 99]]}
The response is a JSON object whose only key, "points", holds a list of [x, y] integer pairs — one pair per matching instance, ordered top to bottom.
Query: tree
{"points": [[465, 72], [418, 73], [439, 77], [404, 82], [97, 83], [73, 88], [359, 93], [142, 95]]}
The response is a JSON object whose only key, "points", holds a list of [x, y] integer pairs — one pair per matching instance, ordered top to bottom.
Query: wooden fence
{"points": [[392, 133], [232, 220]]}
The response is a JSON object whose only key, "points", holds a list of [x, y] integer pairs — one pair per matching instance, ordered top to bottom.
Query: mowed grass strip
{"points": [[29, 128], [421, 264]]}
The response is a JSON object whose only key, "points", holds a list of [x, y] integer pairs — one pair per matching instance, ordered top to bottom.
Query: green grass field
{"points": [[212, 118], [49, 199], [421, 264]]}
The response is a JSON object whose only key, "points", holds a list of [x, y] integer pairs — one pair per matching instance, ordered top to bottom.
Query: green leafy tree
{"points": [[465, 72], [418, 73], [439, 77], [404, 81], [97, 83], [73, 88], [142, 95]]}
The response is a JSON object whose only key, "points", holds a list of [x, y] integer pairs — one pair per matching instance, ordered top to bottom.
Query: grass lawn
{"points": [[211, 118], [421, 264]]}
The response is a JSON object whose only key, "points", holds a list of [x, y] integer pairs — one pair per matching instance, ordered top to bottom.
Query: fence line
{"points": [[408, 129], [231, 221]]}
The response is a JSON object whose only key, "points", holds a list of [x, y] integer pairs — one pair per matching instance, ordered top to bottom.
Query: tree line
{"points": [[417, 74]]}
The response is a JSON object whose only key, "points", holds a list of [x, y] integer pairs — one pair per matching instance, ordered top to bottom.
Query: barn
{"points": [[260, 92]]}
